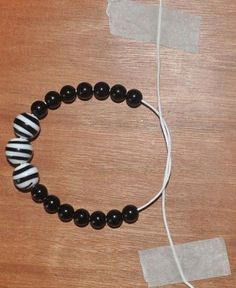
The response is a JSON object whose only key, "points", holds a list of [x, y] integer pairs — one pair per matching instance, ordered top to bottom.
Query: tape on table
{"points": [[129, 19], [200, 260]]}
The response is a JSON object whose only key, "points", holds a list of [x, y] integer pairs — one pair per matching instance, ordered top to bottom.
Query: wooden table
{"points": [[102, 155]]}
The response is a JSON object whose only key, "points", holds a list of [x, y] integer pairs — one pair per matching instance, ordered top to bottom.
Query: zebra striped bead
{"points": [[26, 126], [18, 151], [25, 176]]}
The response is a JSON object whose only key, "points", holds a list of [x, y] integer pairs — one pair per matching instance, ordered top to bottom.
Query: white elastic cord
{"points": [[167, 137]]}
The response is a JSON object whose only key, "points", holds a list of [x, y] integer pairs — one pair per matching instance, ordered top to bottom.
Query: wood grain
{"points": [[99, 155]]}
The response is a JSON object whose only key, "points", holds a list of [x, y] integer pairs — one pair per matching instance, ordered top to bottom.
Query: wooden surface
{"points": [[99, 155]]}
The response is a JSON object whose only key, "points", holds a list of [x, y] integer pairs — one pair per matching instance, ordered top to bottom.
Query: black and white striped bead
{"points": [[26, 126], [18, 151], [25, 176]]}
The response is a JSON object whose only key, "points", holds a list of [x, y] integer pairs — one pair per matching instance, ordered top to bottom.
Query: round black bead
{"points": [[85, 91], [101, 91], [118, 93], [68, 94], [134, 98], [53, 99], [39, 109], [39, 193], [51, 204], [66, 213], [130, 214], [81, 217], [114, 218], [98, 220]]}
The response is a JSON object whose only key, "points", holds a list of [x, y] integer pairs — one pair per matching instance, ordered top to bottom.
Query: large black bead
{"points": [[85, 91], [101, 91], [118, 93], [68, 94], [134, 98], [53, 99], [39, 109], [39, 193], [51, 204], [66, 213], [130, 214], [81, 217], [114, 218], [98, 220]]}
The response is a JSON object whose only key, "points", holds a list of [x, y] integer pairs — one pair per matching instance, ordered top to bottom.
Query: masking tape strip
{"points": [[129, 19], [200, 260]]}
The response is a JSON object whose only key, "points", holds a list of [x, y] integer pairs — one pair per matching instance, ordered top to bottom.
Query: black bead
{"points": [[85, 91], [101, 91], [118, 93], [68, 94], [134, 98], [53, 99], [39, 109], [39, 193], [51, 204], [66, 213], [130, 214], [81, 217], [114, 218], [98, 220]]}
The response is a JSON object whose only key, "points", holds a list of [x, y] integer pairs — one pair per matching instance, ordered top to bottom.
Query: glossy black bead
{"points": [[85, 91], [101, 91], [118, 93], [68, 94], [134, 98], [53, 100], [39, 109], [39, 193], [51, 204], [66, 213], [130, 214], [81, 217], [114, 218], [98, 220]]}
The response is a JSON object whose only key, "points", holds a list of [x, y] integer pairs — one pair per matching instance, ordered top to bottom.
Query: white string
{"points": [[167, 138]]}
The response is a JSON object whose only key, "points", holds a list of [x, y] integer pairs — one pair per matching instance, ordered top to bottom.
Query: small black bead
{"points": [[85, 91], [101, 91], [118, 93], [68, 94], [134, 98], [53, 100], [39, 109], [39, 193], [51, 204], [66, 213], [130, 214], [81, 217], [114, 218], [98, 220]]}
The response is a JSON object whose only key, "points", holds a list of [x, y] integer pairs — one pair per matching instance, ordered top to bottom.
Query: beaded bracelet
{"points": [[19, 152]]}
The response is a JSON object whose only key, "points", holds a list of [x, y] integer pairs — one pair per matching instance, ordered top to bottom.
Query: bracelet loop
{"points": [[19, 152]]}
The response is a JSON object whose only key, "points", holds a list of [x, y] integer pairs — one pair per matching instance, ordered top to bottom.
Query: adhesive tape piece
{"points": [[129, 19], [200, 260]]}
